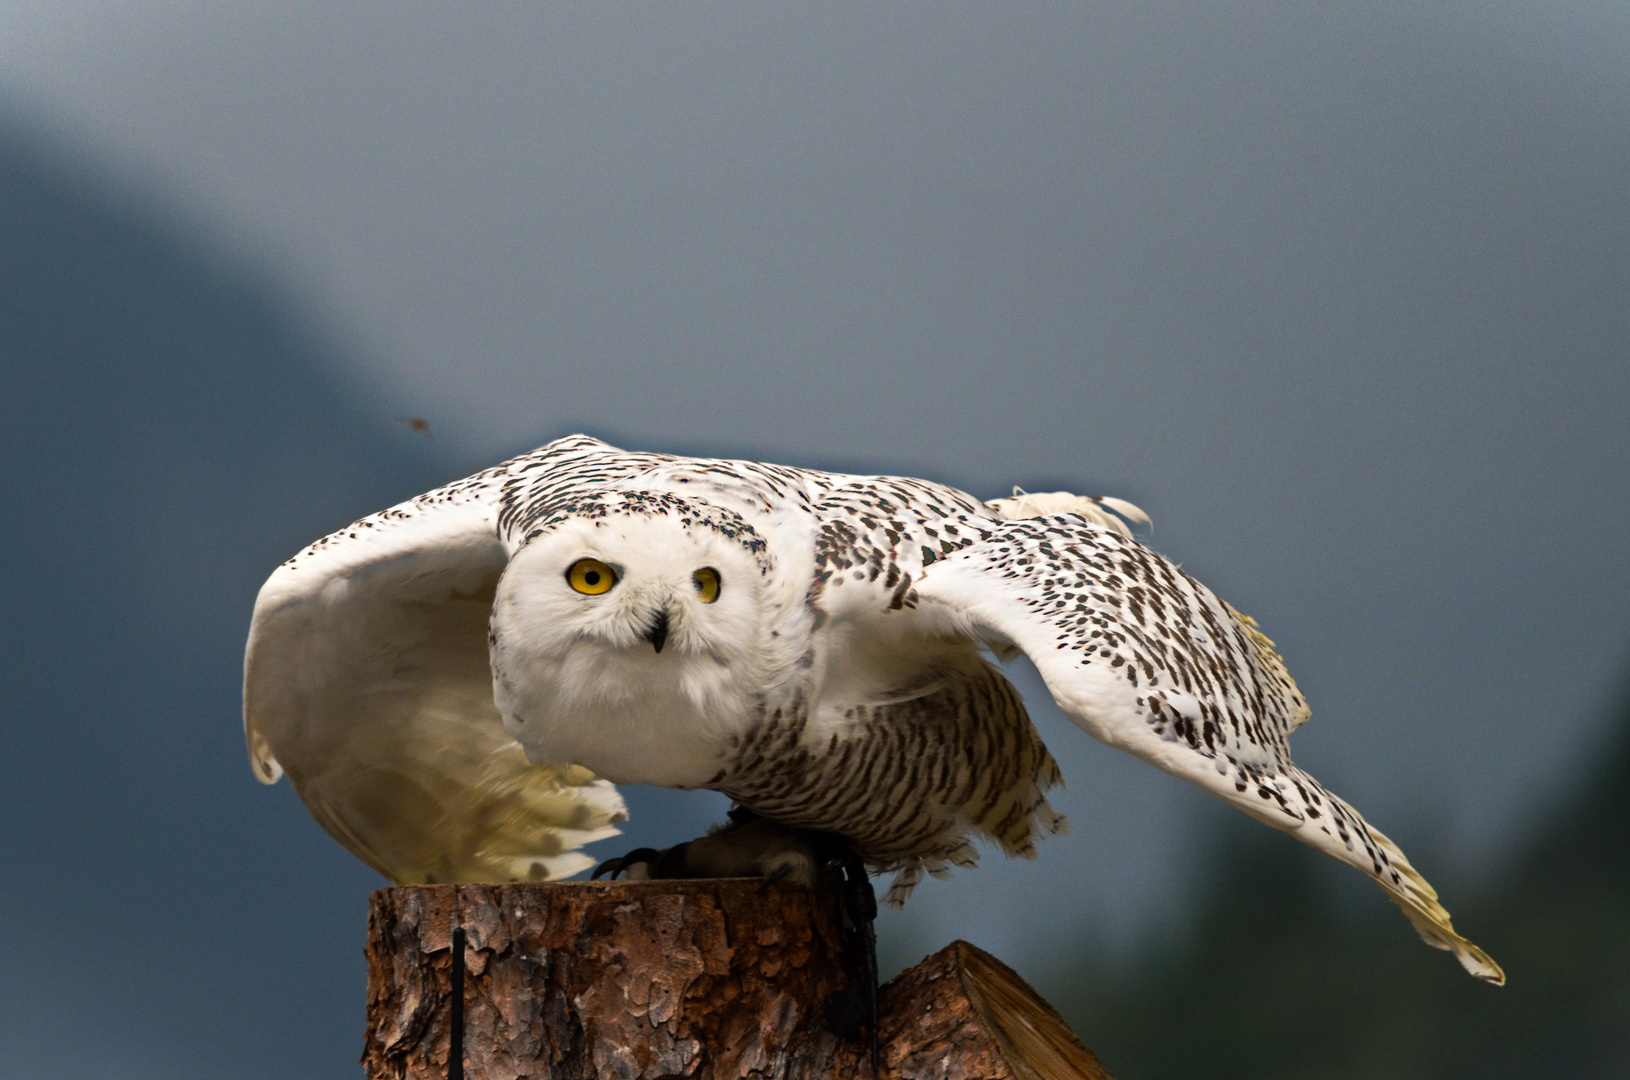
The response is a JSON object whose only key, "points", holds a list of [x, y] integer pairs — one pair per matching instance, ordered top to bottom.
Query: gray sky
{"points": [[1339, 293]]}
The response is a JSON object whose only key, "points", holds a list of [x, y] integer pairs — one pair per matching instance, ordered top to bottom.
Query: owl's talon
{"points": [[622, 863]]}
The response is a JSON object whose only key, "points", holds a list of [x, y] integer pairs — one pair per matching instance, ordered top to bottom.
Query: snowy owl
{"points": [[455, 684]]}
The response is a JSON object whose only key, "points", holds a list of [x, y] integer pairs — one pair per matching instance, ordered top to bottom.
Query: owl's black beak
{"points": [[659, 630]]}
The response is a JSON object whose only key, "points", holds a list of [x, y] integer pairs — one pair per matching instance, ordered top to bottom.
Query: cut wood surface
{"points": [[710, 979]]}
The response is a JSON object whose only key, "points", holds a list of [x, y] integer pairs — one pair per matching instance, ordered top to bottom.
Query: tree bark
{"points": [[716, 980], [962, 1014]]}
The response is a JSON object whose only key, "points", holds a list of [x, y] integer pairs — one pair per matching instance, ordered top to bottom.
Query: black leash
{"points": [[860, 900], [455, 1042]]}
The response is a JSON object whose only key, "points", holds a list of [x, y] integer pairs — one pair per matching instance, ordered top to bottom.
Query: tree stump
{"points": [[716, 980], [962, 1014]]}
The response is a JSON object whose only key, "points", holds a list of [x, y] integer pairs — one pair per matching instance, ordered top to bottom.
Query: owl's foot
{"points": [[747, 847]]}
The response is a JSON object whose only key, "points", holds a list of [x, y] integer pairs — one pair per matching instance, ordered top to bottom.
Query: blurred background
{"points": [[1339, 293]]}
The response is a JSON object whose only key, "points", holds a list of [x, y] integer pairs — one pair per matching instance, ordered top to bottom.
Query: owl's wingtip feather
{"points": [[265, 766], [1419, 902], [1431, 921]]}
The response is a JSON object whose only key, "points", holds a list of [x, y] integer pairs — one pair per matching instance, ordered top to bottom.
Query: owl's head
{"points": [[636, 611]]}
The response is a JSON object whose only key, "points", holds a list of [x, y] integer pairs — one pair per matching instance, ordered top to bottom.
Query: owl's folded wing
{"points": [[1146, 659], [367, 680]]}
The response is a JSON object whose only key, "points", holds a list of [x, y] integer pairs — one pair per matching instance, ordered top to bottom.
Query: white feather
{"points": [[1034, 504], [366, 679]]}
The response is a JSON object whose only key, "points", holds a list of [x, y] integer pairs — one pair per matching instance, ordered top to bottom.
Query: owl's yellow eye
{"points": [[591, 576], [706, 581]]}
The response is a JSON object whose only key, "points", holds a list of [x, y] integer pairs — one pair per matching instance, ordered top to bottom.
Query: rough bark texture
{"points": [[705, 979], [627, 980], [962, 1014]]}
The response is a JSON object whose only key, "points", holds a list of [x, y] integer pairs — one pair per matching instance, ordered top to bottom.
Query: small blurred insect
{"points": [[416, 423]]}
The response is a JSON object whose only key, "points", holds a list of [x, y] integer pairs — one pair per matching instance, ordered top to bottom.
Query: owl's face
{"points": [[650, 625]]}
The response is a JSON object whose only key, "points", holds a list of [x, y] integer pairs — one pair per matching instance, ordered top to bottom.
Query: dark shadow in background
{"points": [[169, 436]]}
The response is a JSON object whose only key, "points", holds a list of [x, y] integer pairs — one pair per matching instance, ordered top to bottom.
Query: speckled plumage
{"points": [[850, 688]]}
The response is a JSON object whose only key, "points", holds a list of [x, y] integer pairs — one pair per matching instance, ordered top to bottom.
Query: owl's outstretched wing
{"points": [[1148, 660], [367, 680]]}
